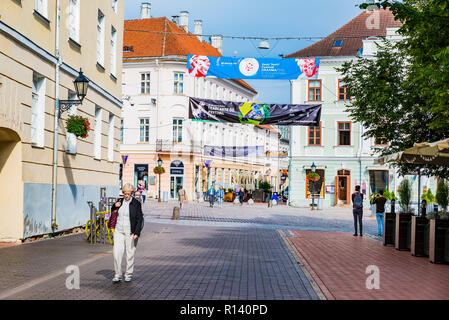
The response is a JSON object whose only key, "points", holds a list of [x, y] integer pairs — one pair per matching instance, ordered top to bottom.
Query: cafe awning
{"points": [[435, 153]]}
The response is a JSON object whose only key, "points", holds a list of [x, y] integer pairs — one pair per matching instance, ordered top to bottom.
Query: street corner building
{"points": [[40, 57], [156, 124], [342, 157]]}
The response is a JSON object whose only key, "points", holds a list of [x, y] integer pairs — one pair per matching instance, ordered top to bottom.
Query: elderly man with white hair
{"points": [[127, 227]]}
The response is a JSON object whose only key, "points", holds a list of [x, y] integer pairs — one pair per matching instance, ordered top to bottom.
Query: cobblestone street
{"points": [[222, 253]]}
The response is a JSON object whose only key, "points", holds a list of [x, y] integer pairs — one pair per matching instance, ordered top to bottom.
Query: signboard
{"points": [[252, 68], [253, 113], [222, 151], [141, 168], [177, 168]]}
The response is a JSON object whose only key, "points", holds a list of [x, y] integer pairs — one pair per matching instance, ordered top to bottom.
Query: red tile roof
{"points": [[355, 31], [174, 43]]}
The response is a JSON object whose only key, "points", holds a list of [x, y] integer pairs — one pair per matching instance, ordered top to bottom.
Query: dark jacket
{"points": [[135, 216]]}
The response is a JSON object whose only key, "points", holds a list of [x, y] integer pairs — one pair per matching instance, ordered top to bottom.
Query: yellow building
{"points": [[40, 56]]}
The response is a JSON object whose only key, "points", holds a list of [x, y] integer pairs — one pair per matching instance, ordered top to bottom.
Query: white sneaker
{"points": [[128, 278], [116, 279]]}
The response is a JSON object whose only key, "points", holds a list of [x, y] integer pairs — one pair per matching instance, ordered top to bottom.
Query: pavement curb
{"points": [[305, 268]]}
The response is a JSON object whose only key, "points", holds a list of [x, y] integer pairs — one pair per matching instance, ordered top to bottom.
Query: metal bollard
{"points": [[176, 214]]}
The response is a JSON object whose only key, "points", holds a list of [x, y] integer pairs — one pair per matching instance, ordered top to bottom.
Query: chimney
{"points": [[145, 10], [175, 19], [184, 21], [199, 29], [217, 42]]}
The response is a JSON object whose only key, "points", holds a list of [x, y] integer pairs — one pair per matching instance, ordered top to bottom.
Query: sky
{"points": [[258, 18]]}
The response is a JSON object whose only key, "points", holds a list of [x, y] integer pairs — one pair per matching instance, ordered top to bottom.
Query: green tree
{"points": [[426, 42], [388, 105], [405, 195]]}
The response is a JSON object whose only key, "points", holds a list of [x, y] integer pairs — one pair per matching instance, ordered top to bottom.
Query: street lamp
{"points": [[81, 84], [159, 163], [313, 167]]}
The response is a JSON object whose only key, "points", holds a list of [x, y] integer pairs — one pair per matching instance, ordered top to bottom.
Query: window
{"points": [[114, 5], [41, 6], [74, 20], [100, 38], [338, 43], [113, 50], [144, 83], [179, 83], [314, 90], [343, 91], [38, 111], [144, 129], [121, 130], [177, 130], [344, 133], [315, 135], [97, 136], [70, 137], [111, 137], [380, 141], [378, 180], [315, 187]]}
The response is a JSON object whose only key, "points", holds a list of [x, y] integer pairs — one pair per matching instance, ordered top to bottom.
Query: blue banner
{"points": [[252, 68]]}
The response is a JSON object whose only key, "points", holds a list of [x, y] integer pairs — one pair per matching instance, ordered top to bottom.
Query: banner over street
{"points": [[252, 68], [253, 113]]}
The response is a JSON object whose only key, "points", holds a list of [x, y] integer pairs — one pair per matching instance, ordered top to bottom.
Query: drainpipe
{"points": [[360, 152], [54, 226]]}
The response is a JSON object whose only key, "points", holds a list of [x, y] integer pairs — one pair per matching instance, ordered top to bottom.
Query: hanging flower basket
{"points": [[78, 125], [158, 170], [313, 176]]}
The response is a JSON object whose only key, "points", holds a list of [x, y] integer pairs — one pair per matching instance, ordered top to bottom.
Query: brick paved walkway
{"points": [[259, 216], [172, 262], [338, 262]]}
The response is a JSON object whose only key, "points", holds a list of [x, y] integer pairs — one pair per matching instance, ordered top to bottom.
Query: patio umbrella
{"points": [[434, 153]]}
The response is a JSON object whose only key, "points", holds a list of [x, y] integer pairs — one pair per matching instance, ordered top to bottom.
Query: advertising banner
{"points": [[253, 68], [253, 113], [222, 151]]}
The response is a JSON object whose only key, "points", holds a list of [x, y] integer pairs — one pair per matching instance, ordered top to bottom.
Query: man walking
{"points": [[357, 211]]}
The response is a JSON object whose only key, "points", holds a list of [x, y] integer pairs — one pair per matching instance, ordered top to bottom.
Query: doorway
{"points": [[176, 178], [343, 187], [11, 196]]}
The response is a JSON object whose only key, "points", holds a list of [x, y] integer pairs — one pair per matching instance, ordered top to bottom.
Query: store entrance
{"points": [[343, 187]]}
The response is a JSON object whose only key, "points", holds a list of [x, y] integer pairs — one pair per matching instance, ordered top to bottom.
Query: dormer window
{"points": [[338, 43]]}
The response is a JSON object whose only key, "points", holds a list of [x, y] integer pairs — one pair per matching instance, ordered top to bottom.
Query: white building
{"points": [[156, 90]]}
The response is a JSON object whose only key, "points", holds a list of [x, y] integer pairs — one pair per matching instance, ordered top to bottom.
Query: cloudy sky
{"points": [[258, 18]]}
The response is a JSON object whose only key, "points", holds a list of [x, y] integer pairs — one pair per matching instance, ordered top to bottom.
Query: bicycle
{"points": [[109, 232]]}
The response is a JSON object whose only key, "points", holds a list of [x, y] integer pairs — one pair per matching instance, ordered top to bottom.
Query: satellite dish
{"points": [[264, 45]]}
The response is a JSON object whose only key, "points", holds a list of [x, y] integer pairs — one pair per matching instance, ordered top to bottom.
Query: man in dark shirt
{"points": [[379, 201], [357, 211]]}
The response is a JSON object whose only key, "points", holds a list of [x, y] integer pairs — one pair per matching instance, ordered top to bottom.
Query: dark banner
{"points": [[253, 113], [222, 151]]}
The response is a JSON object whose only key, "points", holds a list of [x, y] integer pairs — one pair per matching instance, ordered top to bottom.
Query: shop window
{"points": [[378, 180], [317, 186]]}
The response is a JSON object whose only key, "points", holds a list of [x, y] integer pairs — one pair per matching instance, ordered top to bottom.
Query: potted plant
{"points": [[78, 125], [159, 170], [266, 187], [430, 199], [404, 217], [439, 226], [389, 235], [419, 243]]}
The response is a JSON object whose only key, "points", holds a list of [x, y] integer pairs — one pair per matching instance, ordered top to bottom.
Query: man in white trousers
{"points": [[127, 231]]}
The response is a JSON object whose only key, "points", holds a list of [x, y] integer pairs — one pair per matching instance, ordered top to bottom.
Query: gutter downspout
{"points": [[290, 141], [360, 152], [54, 226]]}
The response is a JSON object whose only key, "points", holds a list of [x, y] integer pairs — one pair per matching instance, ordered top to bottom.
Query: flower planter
{"points": [[403, 231], [389, 235], [439, 241], [419, 245]]}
